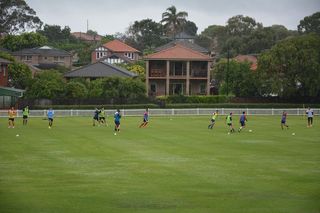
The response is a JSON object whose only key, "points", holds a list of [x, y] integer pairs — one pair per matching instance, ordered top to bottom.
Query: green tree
{"points": [[16, 15], [173, 21], [310, 24], [190, 28], [55, 33], [145, 34], [25, 40], [291, 67], [239, 79], [48, 84], [95, 89], [75, 90]]}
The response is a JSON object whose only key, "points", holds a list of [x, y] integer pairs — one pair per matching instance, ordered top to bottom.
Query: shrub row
{"points": [[194, 99]]}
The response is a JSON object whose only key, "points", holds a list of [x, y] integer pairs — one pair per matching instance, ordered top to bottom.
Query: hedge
{"points": [[194, 99]]}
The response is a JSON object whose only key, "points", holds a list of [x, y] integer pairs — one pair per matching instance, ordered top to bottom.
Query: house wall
{"points": [[65, 61], [3, 75], [160, 87]]}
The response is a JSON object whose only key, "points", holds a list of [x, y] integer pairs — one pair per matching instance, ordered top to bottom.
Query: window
{"points": [[97, 55], [45, 58], [55, 58], [61, 58]]}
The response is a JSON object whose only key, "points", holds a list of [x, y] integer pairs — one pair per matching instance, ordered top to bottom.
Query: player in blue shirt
{"points": [[50, 115], [96, 117], [117, 117], [145, 119], [243, 119], [284, 120]]}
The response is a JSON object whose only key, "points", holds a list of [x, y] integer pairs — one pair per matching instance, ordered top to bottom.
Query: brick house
{"points": [[87, 37], [115, 51], [44, 57], [178, 69], [4, 80]]}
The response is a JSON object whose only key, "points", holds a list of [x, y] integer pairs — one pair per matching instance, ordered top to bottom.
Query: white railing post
{"points": [[198, 111], [71, 112], [44, 113], [172, 113]]}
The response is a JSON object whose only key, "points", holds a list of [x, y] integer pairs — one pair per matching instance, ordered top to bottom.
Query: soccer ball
{"points": [[250, 130], [115, 133], [228, 133], [293, 133], [17, 135]]}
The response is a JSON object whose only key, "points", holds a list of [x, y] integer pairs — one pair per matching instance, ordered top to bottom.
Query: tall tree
{"points": [[17, 16], [173, 21], [310, 24], [190, 28], [55, 33], [145, 34], [291, 67]]}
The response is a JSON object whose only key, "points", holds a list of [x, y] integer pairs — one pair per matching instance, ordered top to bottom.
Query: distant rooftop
{"points": [[44, 50]]}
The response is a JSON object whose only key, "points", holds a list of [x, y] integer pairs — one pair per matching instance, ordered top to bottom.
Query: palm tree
{"points": [[173, 21]]}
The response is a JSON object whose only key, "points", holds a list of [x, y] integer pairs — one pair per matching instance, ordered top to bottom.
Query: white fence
{"points": [[165, 112]]}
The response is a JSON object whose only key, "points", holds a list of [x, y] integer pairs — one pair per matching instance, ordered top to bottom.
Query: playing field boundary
{"points": [[165, 112]]}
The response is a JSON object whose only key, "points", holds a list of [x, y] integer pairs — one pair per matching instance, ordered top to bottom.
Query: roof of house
{"points": [[183, 35], [86, 37], [185, 43], [119, 46], [44, 51], [178, 52], [249, 58], [5, 61], [99, 69], [9, 91]]}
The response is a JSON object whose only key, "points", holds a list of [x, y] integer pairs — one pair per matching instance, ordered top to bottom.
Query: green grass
{"points": [[173, 165]]}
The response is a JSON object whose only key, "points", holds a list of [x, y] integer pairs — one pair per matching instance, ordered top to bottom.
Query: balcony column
{"points": [[147, 77], [167, 78], [208, 78], [188, 79]]}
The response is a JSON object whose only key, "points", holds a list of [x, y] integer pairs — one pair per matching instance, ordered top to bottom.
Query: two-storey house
{"points": [[115, 51]]}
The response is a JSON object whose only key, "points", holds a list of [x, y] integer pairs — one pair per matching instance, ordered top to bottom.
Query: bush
{"points": [[194, 99]]}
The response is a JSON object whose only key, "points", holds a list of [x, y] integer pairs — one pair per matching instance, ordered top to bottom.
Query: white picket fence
{"points": [[165, 112]]}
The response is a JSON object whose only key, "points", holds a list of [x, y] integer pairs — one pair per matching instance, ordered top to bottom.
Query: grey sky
{"points": [[111, 16]]}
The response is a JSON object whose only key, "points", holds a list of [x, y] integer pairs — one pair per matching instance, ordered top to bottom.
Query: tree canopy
{"points": [[17, 16], [173, 21], [310, 24]]}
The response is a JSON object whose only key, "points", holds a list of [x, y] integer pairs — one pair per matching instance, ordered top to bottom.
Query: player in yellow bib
{"points": [[12, 114], [213, 119]]}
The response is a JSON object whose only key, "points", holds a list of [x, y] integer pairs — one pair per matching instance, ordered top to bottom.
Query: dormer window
{"points": [[129, 55]]}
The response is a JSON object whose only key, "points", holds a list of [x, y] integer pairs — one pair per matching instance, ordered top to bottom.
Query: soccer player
{"points": [[309, 113], [12, 114], [25, 115], [50, 115], [102, 116], [96, 117], [117, 117], [145, 119], [213, 119], [243, 119], [284, 120], [229, 122]]}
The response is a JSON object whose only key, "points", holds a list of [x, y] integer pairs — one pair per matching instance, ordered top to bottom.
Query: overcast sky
{"points": [[111, 16]]}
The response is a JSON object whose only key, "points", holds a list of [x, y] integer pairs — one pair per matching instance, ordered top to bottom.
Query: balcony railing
{"points": [[157, 73]]}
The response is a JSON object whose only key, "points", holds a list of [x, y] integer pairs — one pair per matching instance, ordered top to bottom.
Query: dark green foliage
{"points": [[17, 16], [173, 21], [310, 24], [55, 33], [145, 34], [22, 41], [291, 68], [240, 80], [47, 84], [75, 90], [194, 99]]}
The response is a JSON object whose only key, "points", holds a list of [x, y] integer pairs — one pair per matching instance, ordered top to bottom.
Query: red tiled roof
{"points": [[86, 37], [119, 46], [178, 52], [249, 58]]}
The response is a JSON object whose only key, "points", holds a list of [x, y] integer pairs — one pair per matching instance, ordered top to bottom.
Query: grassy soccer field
{"points": [[173, 165]]}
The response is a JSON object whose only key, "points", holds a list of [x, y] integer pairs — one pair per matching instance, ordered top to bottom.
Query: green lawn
{"points": [[173, 165]]}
